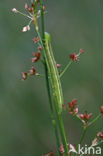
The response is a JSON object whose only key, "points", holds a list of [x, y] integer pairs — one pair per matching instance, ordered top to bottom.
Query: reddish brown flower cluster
{"points": [[44, 8], [30, 9], [36, 39], [40, 48], [81, 51], [36, 56], [73, 57], [58, 65], [32, 71], [24, 75], [72, 107], [101, 110], [74, 111], [85, 117], [100, 135], [97, 139], [94, 142], [61, 149], [71, 149], [50, 154]]}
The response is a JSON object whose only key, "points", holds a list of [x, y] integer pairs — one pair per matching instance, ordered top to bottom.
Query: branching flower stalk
{"points": [[53, 83]]}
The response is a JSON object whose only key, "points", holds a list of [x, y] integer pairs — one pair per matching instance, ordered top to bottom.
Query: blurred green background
{"points": [[25, 124]]}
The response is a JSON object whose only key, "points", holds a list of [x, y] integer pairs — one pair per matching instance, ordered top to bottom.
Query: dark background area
{"points": [[25, 124]]}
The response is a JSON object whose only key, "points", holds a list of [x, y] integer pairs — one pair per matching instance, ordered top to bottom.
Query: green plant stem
{"points": [[35, 8], [42, 22], [66, 68], [47, 79], [51, 111], [59, 117], [93, 121], [61, 128], [56, 135], [83, 135], [63, 136], [81, 138]]}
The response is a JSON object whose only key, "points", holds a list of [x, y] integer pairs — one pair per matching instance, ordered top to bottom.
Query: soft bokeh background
{"points": [[25, 125]]}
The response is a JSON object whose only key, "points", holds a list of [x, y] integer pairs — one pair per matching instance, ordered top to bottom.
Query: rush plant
{"points": [[53, 77]]}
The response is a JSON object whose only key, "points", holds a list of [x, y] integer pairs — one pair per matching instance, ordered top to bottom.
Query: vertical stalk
{"points": [[42, 22], [47, 80], [56, 100], [51, 111], [61, 128], [83, 134], [82, 137]]}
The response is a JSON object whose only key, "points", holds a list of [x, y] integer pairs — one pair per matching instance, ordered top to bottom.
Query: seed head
{"points": [[32, 4], [26, 6], [44, 8], [14, 10], [31, 10], [26, 28], [36, 39], [40, 48], [81, 51], [36, 56], [73, 57], [58, 65], [32, 71], [24, 75], [72, 108], [76, 110], [101, 110], [81, 116], [85, 117], [100, 135], [94, 142], [61, 149], [50, 154]]}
